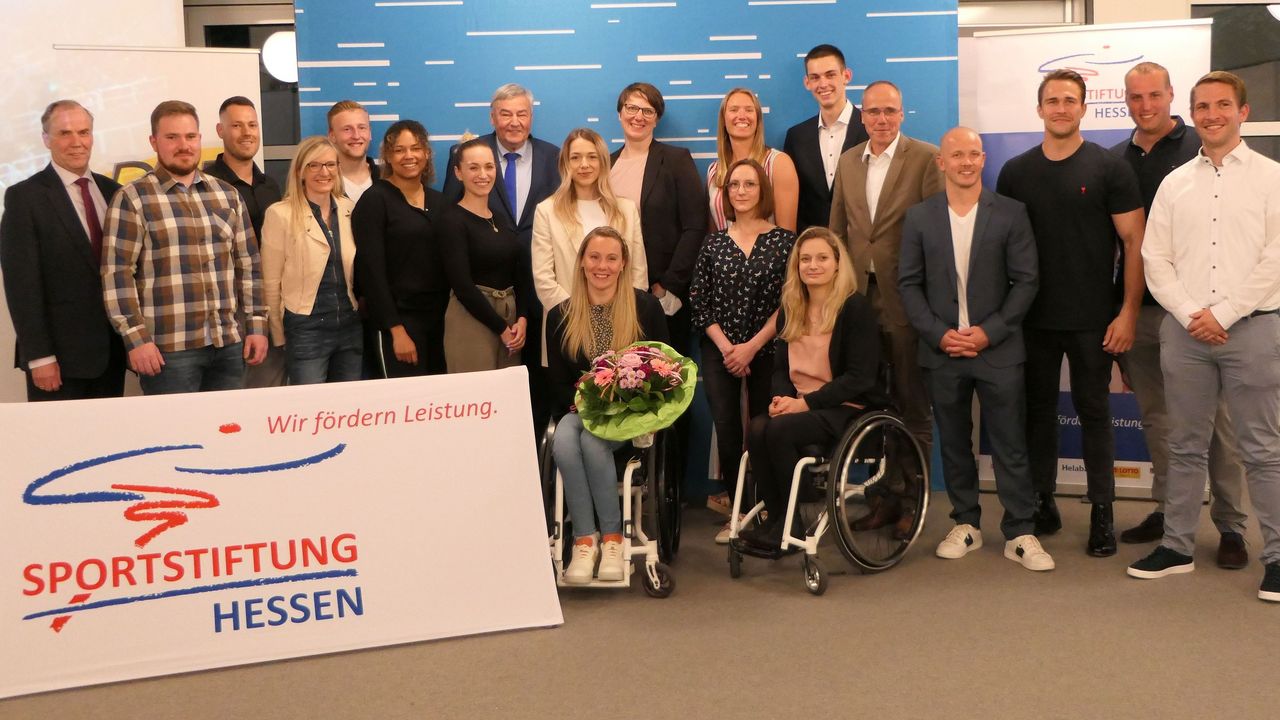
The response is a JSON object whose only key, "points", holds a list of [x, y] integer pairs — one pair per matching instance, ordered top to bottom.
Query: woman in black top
{"points": [[397, 265], [736, 285], [603, 312], [484, 325], [826, 371]]}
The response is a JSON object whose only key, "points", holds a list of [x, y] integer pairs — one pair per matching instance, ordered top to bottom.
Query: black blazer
{"points": [[802, 145], [542, 183], [673, 216], [397, 263], [1003, 276], [51, 279], [854, 356], [565, 371]]}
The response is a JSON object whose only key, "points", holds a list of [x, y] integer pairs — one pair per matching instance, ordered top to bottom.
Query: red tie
{"points": [[91, 218]]}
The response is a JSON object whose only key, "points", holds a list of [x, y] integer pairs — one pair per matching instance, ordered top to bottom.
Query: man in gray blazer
{"points": [[967, 273]]}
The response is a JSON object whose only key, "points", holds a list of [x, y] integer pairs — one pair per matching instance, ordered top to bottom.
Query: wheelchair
{"points": [[877, 460], [648, 487]]}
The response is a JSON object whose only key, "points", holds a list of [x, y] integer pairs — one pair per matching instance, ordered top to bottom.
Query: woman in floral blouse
{"points": [[735, 292]]}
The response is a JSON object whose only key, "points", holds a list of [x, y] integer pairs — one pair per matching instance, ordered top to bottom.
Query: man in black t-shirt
{"points": [[1160, 143], [1079, 197]]}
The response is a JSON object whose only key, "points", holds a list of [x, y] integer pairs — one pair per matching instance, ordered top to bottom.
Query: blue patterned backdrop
{"points": [[438, 61]]}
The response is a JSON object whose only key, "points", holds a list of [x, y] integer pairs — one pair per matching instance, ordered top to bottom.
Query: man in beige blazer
{"points": [[875, 183]]}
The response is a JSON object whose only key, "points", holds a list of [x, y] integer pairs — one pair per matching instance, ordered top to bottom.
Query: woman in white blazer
{"points": [[583, 202], [307, 253]]}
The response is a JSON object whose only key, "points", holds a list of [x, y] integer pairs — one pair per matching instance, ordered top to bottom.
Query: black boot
{"points": [[1047, 519], [1150, 529], [1102, 532]]}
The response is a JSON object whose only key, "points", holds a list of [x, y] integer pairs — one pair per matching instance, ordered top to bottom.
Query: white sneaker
{"points": [[722, 537], [959, 542], [1026, 549], [583, 564], [611, 564]]}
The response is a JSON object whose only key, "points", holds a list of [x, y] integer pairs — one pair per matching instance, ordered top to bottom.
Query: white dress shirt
{"points": [[831, 141], [877, 171], [524, 174], [68, 179], [1213, 238], [961, 242]]}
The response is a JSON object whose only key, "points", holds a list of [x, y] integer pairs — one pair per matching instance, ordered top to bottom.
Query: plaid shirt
{"points": [[178, 261]]}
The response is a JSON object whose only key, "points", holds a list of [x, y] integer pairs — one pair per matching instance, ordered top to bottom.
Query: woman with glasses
{"points": [[739, 136], [307, 254], [398, 266], [736, 287], [484, 326]]}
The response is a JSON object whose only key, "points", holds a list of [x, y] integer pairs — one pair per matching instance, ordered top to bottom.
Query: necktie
{"points": [[509, 179], [91, 219]]}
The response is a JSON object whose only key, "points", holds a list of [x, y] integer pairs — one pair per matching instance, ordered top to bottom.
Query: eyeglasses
{"points": [[630, 110], [877, 112], [317, 166], [743, 184]]}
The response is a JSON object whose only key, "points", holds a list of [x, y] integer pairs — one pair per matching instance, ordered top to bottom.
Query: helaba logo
{"points": [[1089, 64], [164, 507]]}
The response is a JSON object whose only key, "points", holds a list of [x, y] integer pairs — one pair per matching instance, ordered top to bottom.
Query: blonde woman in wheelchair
{"points": [[826, 372]]}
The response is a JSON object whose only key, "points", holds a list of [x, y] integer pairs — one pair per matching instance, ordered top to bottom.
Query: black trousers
{"points": [[425, 326], [1090, 374], [109, 384], [724, 393], [1002, 396], [775, 444]]}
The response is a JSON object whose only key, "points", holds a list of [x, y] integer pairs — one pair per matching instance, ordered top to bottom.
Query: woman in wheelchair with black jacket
{"points": [[604, 312], [826, 371]]}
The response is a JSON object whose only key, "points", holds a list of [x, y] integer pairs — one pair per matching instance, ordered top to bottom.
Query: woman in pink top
{"points": [[740, 135], [826, 370]]}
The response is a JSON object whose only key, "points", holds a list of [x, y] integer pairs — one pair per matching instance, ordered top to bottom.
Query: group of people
{"points": [[211, 278]]}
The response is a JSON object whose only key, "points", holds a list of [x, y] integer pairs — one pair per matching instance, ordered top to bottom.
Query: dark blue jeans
{"points": [[323, 348], [199, 370]]}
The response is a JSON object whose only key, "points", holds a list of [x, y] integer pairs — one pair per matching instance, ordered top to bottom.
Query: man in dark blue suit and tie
{"points": [[528, 174], [50, 253], [967, 274]]}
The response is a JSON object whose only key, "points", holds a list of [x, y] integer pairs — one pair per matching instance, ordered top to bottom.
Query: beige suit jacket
{"points": [[913, 176], [294, 260]]}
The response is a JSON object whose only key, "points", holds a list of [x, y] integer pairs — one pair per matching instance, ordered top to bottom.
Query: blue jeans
{"points": [[322, 349], [199, 370], [590, 478]]}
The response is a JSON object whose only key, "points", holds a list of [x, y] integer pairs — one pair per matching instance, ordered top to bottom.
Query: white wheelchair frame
{"points": [[658, 580]]}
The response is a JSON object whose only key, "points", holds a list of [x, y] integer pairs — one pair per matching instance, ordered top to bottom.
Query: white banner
{"points": [[147, 536]]}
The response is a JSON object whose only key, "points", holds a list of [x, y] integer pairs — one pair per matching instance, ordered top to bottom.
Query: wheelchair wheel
{"points": [[547, 473], [666, 485], [877, 491], [735, 563], [815, 576], [666, 583]]}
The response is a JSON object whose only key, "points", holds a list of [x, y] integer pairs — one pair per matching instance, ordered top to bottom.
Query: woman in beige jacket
{"points": [[583, 202], [307, 254]]}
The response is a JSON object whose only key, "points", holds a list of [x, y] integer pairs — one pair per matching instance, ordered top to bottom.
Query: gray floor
{"points": [[978, 637]]}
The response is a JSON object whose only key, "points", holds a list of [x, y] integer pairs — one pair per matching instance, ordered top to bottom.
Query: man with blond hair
{"points": [[349, 131]]}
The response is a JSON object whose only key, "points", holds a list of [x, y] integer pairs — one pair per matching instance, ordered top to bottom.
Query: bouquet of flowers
{"points": [[634, 392]]}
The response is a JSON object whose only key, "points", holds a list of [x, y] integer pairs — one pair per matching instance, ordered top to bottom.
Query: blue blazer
{"points": [[1003, 276]]}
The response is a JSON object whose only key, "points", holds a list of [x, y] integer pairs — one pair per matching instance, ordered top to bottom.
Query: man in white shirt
{"points": [[349, 131], [815, 145], [50, 252], [1212, 259], [967, 274]]}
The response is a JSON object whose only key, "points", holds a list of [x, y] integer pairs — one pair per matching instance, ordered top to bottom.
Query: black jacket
{"points": [[854, 356]]}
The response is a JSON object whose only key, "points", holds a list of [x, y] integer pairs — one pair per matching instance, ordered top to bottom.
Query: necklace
{"points": [[492, 224]]}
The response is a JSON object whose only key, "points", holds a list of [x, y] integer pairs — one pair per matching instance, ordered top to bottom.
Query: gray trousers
{"points": [[1141, 366], [1246, 373]]}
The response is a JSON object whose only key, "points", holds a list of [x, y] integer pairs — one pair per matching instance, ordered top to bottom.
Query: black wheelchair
{"points": [[876, 469], [649, 488]]}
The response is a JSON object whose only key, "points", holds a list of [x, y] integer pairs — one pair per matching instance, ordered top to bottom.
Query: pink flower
{"points": [[630, 360], [604, 376]]}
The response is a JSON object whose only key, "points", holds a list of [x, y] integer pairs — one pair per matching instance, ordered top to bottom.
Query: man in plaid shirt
{"points": [[179, 257]]}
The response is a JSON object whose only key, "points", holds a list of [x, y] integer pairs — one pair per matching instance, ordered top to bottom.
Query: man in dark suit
{"points": [[816, 144], [528, 173], [50, 253], [967, 275]]}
